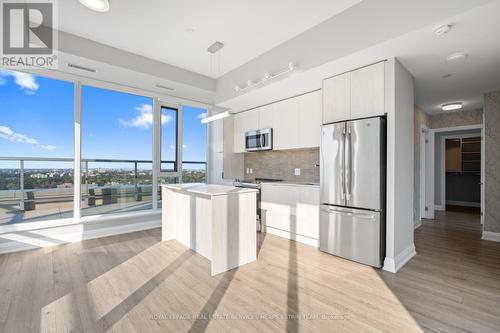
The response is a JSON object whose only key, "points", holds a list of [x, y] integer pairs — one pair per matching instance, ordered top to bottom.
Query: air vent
{"points": [[215, 47], [82, 68], [164, 87]]}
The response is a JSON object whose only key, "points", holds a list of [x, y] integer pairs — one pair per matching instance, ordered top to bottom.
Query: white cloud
{"points": [[25, 81], [202, 115], [145, 117], [9, 134], [184, 146], [48, 147]]}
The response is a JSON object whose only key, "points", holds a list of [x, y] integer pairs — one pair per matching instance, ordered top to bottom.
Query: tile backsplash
{"points": [[281, 164]]}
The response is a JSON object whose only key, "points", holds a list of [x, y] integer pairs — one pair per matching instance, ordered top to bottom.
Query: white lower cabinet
{"points": [[291, 211]]}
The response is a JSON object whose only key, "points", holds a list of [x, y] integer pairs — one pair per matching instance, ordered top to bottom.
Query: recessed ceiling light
{"points": [[96, 5], [442, 29], [455, 57], [451, 106]]}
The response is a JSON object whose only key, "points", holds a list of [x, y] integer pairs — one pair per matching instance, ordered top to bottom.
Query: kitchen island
{"points": [[216, 221]]}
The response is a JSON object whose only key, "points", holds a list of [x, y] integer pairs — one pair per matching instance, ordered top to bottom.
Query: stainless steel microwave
{"points": [[259, 140]]}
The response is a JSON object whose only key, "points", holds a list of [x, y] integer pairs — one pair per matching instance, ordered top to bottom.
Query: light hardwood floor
{"points": [[134, 283]]}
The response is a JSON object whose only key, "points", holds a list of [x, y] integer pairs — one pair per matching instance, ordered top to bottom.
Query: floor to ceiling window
{"points": [[37, 123], [194, 145], [36, 148], [116, 151]]}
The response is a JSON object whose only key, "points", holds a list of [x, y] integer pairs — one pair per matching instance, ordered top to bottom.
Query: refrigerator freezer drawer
{"points": [[352, 234]]}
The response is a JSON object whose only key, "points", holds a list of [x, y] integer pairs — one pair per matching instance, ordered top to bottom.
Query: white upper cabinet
{"points": [[368, 91], [356, 94], [337, 98], [310, 112], [265, 116], [244, 122], [295, 122], [286, 124]]}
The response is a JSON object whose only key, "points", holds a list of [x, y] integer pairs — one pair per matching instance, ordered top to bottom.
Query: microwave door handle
{"points": [[262, 140]]}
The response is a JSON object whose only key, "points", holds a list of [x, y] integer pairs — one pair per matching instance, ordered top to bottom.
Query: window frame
{"points": [[159, 101], [171, 172]]}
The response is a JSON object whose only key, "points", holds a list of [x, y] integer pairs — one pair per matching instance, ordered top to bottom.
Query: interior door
{"points": [[364, 163], [332, 164]]}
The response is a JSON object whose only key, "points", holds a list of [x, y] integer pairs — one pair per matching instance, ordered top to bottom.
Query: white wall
{"points": [[400, 166]]}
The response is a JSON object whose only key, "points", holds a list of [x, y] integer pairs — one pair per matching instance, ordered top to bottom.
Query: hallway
{"points": [[453, 283]]}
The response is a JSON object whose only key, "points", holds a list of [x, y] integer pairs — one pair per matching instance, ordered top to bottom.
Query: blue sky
{"points": [[36, 120]]}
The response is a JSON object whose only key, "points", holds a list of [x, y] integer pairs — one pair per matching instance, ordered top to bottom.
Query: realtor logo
{"points": [[29, 34]]}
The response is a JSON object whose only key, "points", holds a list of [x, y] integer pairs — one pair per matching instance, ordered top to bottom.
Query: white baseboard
{"points": [[463, 203], [440, 207], [417, 224], [292, 236], [491, 236], [34, 239], [394, 264]]}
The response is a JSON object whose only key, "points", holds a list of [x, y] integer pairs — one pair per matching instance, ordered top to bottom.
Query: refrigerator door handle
{"points": [[348, 165], [342, 168], [332, 210]]}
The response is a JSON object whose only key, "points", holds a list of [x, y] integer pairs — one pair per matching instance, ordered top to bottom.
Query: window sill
{"points": [[27, 226]]}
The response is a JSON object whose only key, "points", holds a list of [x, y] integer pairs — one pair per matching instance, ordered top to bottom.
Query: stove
{"points": [[255, 184]]}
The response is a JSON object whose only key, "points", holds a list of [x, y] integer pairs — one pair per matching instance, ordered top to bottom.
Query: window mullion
{"points": [[77, 152]]}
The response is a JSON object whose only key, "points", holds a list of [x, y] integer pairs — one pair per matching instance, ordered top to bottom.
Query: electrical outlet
{"points": [[248, 171], [251, 171], [297, 172]]}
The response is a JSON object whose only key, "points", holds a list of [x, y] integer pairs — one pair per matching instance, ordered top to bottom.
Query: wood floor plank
{"points": [[135, 283]]}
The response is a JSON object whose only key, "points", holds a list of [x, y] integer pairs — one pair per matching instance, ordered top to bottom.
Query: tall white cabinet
{"points": [[356, 94]]}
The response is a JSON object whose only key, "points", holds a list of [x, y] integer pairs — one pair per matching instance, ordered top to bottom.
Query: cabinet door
{"points": [[368, 91], [337, 98], [310, 113], [265, 116], [244, 122], [286, 124], [239, 133], [278, 207], [308, 211]]}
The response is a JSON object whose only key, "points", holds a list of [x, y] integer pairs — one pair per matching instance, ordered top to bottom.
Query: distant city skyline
{"points": [[36, 120]]}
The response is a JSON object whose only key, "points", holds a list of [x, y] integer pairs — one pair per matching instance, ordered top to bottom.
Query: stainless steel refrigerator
{"points": [[353, 167]]}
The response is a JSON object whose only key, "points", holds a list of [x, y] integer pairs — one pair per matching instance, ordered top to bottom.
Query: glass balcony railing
{"points": [[40, 189]]}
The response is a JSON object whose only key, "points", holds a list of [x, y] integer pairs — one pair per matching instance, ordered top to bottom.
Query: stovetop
{"points": [[258, 180]]}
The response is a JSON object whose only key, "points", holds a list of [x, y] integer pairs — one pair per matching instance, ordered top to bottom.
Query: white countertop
{"points": [[208, 189]]}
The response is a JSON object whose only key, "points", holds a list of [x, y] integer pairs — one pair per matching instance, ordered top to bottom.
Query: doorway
{"points": [[453, 170]]}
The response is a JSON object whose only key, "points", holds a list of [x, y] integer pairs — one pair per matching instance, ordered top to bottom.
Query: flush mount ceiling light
{"points": [[96, 5], [442, 29], [457, 57], [451, 106]]}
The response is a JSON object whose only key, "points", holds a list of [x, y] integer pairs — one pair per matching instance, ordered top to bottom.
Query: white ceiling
{"points": [[178, 32], [475, 32]]}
